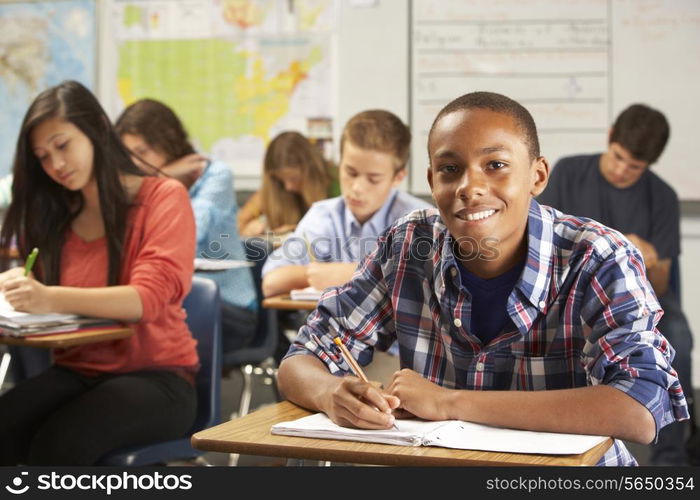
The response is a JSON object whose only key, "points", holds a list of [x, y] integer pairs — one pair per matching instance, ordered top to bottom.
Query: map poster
{"points": [[41, 44], [237, 72]]}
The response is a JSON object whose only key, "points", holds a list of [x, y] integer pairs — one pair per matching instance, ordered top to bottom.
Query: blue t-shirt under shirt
{"points": [[489, 301]]}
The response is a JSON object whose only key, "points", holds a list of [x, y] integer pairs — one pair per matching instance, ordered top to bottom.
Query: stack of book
{"points": [[308, 293], [22, 324]]}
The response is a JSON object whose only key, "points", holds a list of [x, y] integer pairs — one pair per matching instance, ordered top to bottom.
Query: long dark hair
{"points": [[158, 125], [41, 209]]}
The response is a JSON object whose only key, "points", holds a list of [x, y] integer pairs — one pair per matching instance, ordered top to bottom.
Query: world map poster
{"points": [[41, 44]]}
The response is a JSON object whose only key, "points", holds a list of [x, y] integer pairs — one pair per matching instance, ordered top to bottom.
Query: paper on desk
{"points": [[219, 264], [308, 293], [10, 317], [407, 433], [446, 434], [471, 436]]}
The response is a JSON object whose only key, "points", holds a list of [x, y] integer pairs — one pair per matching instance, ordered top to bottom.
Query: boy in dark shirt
{"points": [[618, 189]]}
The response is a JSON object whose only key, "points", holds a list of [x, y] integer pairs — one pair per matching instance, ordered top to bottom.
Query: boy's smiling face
{"points": [[482, 180]]}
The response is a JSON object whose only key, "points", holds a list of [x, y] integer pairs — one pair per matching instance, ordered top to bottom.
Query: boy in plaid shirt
{"points": [[506, 312]]}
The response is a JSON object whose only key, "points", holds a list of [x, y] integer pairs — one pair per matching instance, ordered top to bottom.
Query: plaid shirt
{"points": [[582, 313]]}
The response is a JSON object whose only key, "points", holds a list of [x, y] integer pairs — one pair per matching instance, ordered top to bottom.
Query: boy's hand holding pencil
{"points": [[373, 398]]}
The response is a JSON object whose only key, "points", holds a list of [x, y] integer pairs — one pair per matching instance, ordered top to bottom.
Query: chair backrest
{"points": [[256, 251], [203, 309], [264, 342]]}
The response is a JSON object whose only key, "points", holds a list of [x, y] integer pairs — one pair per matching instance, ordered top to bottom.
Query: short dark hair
{"points": [[499, 104], [159, 126], [379, 130], [641, 130]]}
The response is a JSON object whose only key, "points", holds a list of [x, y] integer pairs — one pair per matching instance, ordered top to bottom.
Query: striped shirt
{"points": [[582, 313]]}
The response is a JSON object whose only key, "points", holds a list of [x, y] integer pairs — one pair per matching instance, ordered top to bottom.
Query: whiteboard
{"points": [[575, 64]]}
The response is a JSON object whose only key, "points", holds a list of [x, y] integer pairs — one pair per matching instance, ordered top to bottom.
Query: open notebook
{"points": [[21, 324], [446, 434]]}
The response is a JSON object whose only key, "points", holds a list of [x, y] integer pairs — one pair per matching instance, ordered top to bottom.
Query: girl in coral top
{"points": [[113, 244]]}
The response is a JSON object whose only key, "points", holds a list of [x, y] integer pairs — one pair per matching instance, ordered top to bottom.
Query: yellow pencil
{"points": [[310, 250], [354, 365]]}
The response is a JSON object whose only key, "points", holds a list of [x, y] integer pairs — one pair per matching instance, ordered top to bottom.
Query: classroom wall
{"points": [[372, 48], [372, 60], [373, 71]]}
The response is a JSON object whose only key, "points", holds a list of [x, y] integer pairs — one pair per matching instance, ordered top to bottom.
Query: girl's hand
{"points": [[186, 169], [256, 227], [284, 229], [15, 272], [28, 295]]}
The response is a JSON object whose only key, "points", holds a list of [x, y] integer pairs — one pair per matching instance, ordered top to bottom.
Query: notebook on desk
{"points": [[219, 264], [308, 293], [22, 324], [446, 434]]}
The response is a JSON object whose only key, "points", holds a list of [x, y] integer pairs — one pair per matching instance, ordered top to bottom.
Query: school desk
{"points": [[284, 303], [70, 339], [58, 340], [251, 435]]}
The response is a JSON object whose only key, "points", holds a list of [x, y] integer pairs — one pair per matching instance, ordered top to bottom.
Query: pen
{"points": [[30, 261], [354, 365]]}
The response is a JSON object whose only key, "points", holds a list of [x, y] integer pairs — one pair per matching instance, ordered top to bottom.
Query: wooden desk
{"points": [[284, 303], [70, 339], [251, 435]]}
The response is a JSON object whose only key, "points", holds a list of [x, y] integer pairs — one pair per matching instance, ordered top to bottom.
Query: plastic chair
{"points": [[203, 309]]}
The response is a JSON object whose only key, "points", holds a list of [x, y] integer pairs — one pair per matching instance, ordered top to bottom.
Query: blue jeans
{"points": [[670, 447]]}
